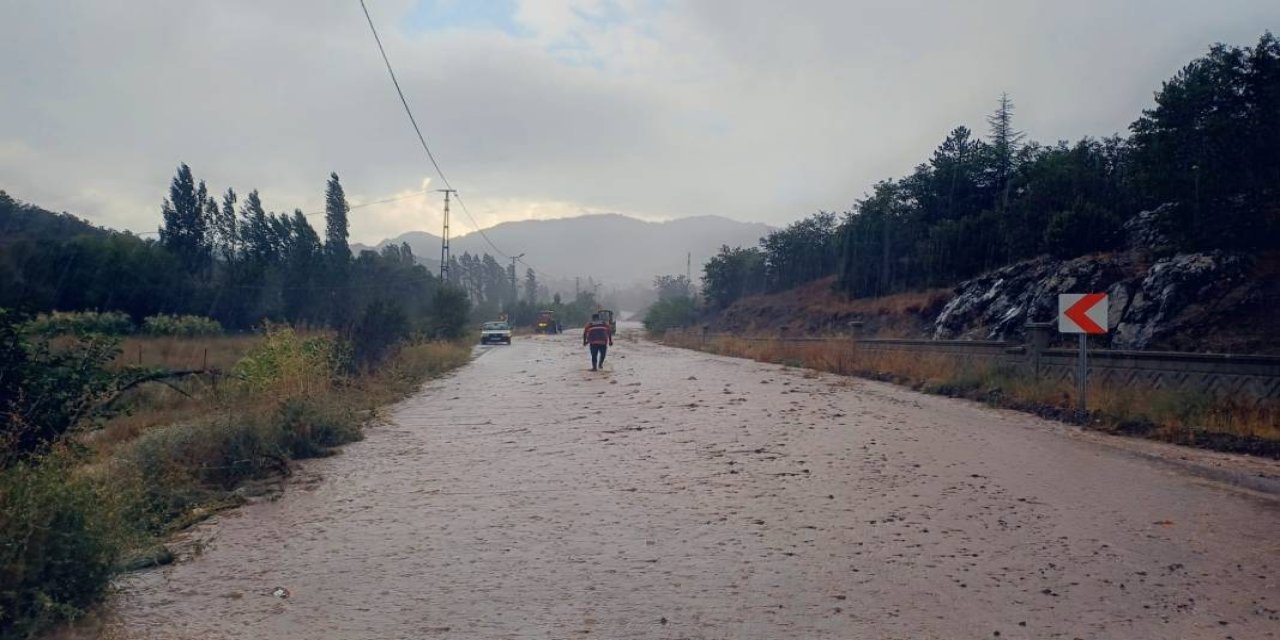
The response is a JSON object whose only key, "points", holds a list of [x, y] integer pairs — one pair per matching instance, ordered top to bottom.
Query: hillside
{"points": [[19, 220], [610, 248], [1208, 302]]}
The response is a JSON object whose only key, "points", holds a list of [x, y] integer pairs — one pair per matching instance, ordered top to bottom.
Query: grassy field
{"points": [[1174, 416], [175, 452]]}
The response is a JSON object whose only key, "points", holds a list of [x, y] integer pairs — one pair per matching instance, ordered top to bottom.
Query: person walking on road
{"points": [[600, 337]]}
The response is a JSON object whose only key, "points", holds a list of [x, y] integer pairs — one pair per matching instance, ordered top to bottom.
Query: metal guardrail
{"points": [[1217, 374]]}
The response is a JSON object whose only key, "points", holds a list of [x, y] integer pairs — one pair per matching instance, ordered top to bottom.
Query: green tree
{"points": [[1003, 144], [1209, 145], [335, 224], [184, 232], [228, 238], [802, 252], [732, 274], [531, 287], [672, 287], [450, 313]]}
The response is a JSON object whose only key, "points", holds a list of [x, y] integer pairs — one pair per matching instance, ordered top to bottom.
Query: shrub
{"points": [[670, 313], [108, 323], [181, 326], [380, 327], [289, 365], [45, 392], [310, 428], [60, 539]]}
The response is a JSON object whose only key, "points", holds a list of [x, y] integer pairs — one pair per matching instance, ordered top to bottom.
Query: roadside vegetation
{"points": [[1239, 425], [103, 458]]}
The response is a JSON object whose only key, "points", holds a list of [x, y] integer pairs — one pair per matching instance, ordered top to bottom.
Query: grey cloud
{"points": [[752, 109]]}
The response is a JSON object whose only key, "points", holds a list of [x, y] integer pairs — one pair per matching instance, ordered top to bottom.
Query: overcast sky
{"points": [[757, 110]]}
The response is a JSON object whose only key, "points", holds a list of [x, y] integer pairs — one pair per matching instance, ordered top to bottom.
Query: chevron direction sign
{"points": [[1082, 313]]}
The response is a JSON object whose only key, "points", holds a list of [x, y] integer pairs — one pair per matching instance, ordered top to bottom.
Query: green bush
{"points": [[450, 313], [670, 313], [108, 323], [181, 326], [381, 326], [291, 364], [45, 392], [311, 428], [60, 540]]}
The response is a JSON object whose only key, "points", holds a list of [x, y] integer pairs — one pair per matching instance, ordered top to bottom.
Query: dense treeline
{"points": [[1203, 160], [226, 258]]}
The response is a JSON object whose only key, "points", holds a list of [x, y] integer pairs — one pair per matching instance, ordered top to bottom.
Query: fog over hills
{"points": [[613, 249]]}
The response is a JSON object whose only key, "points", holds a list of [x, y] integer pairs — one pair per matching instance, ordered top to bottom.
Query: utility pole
{"points": [[444, 238], [688, 272], [577, 287], [515, 293]]}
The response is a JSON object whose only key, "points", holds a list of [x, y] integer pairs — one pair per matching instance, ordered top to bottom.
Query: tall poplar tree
{"points": [[335, 220], [183, 233]]}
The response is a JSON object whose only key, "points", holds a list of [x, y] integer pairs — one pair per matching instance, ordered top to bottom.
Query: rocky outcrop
{"points": [[1149, 231], [1164, 304]]}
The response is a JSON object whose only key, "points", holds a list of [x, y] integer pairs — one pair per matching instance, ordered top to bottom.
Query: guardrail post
{"points": [[705, 329], [855, 331], [1037, 340]]}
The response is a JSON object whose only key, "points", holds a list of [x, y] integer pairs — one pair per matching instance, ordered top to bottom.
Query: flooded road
{"points": [[682, 495]]}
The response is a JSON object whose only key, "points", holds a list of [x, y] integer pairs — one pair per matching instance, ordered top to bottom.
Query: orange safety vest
{"points": [[596, 333]]}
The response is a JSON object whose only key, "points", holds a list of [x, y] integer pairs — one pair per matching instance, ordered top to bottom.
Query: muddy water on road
{"points": [[680, 495]]}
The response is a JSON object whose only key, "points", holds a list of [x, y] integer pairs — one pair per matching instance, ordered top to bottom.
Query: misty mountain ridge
{"points": [[610, 248]]}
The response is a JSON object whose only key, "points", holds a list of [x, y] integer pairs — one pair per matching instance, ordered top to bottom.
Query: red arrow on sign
{"points": [[1078, 310]]}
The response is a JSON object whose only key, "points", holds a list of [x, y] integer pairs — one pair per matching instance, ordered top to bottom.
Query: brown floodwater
{"points": [[683, 495]]}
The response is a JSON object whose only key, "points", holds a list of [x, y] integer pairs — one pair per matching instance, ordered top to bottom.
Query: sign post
{"points": [[1084, 314]]}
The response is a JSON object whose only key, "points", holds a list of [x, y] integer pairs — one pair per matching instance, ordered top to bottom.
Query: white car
{"points": [[495, 332]]}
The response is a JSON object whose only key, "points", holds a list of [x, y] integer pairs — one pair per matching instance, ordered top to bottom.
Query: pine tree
{"points": [[1004, 144]]}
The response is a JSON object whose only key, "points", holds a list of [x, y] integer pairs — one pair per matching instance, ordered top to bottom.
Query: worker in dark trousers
{"points": [[600, 337]]}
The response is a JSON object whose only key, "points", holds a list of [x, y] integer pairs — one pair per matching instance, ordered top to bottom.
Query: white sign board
{"points": [[1082, 313]]}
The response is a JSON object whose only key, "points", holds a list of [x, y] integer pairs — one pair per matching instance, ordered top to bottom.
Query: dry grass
{"points": [[816, 308], [216, 352], [1174, 416], [177, 455]]}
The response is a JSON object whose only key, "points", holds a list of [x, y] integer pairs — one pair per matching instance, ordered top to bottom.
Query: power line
{"points": [[403, 101], [423, 138], [415, 194]]}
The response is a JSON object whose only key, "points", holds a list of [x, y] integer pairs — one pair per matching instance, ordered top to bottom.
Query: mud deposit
{"points": [[682, 495]]}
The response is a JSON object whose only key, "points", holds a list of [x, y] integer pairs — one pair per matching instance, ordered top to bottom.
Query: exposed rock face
{"points": [[1147, 231], [1180, 296]]}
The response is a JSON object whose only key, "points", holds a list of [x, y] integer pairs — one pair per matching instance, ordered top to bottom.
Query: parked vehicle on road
{"points": [[495, 333]]}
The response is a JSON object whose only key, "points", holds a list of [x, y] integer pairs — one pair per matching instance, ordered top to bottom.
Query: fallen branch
{"points": [[162, 377]]}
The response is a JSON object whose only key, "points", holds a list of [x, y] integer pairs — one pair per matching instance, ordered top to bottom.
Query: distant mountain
{"points": [[610, 248]]}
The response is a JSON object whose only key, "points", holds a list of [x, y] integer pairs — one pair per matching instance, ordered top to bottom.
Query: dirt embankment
{"points": [[1211, 302], [817, 308]]}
